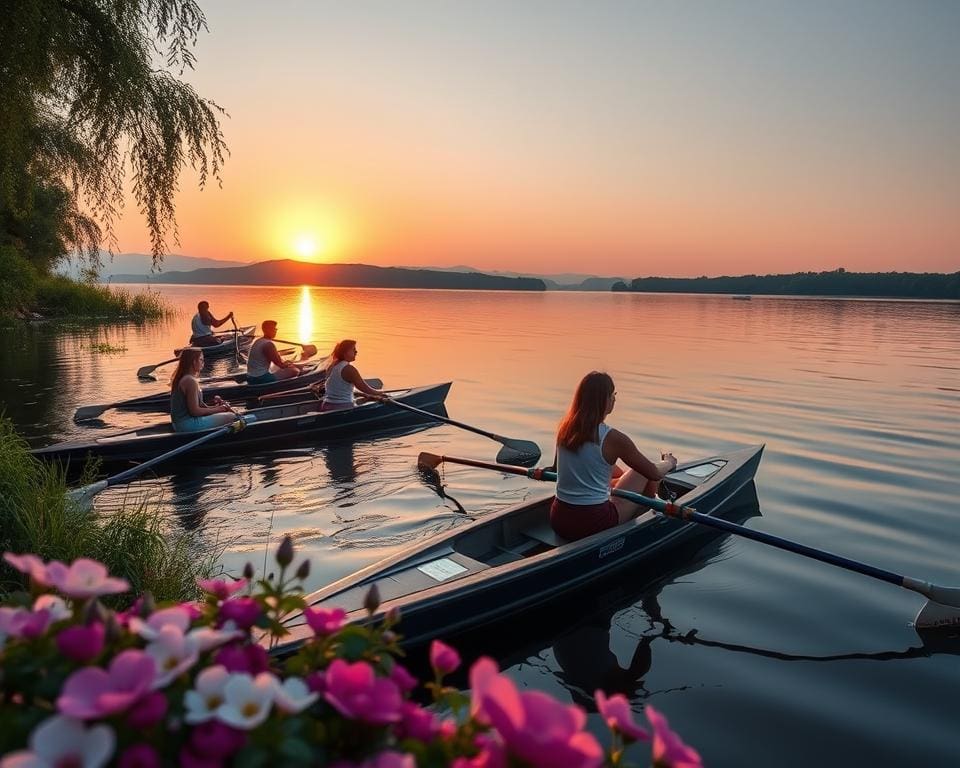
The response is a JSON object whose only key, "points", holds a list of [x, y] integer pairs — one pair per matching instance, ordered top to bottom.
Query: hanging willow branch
{"points": [[89, 88]]}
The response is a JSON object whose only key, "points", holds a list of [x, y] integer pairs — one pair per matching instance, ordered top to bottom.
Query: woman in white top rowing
{"points": [[343, 377], [586, 465]]}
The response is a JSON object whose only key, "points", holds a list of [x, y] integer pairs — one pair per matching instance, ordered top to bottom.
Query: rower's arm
{"points": [[211, 320], [274, 357], [351, 374], [195, 404], [620, 446]]}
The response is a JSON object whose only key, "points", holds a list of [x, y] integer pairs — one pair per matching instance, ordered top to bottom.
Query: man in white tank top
{"points": [[202, 325], [263, 354]]}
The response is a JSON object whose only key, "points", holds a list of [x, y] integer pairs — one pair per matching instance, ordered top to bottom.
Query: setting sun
{"points": [[307, 246]]}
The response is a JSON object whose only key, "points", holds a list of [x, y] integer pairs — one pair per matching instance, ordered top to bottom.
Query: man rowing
{"points": [[203, 324], [264, 364]]}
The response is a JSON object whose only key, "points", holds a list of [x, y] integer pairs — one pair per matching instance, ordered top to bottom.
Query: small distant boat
{"points": [[742, 297], [226, 344], [271, 426], [512, 560]]}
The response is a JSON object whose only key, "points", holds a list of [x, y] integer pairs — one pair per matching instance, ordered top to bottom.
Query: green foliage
{"points": [[83, 98], [18, 279], [925, 285], [132, 541]]}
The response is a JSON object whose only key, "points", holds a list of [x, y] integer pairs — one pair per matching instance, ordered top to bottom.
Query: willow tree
{"points": [[90, 92]]}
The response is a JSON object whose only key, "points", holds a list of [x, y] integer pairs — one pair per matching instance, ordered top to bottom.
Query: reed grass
{"points": [[58, 296], [133, 541]]}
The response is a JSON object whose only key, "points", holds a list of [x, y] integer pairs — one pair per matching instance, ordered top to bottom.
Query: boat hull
{"points": [[227, 346], [273, 426], [438, 600]]}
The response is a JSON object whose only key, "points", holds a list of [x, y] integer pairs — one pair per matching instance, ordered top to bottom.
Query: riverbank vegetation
{"points": [[83, 99], [839, 282], [134, 541]]}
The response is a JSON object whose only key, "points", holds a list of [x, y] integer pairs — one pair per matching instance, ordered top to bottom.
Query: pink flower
{"points": [[31, 565], [84, 578], [221, 588], [242, 611], [176, 617], [324, 622], [34, 623], [81, 644], [443, 658], [252, 659], [404, 680], [317, 681], [93, 692], [356, 692], [148, 711], [618, 716], [417, 723], [534, 726], [213, 739], [669, 751], [491, 754], [140, 755], [187, 758], [390, 759]]}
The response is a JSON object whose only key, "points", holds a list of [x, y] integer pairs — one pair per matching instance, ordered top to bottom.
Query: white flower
{"points": [[57, 607], [166, 617], [208, 637], [173, 654], [207, 696], [293, 696], [247, 700], [60, 740]]}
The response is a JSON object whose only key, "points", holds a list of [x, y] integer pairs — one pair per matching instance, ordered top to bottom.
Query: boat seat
{"points": [[545, 534]]}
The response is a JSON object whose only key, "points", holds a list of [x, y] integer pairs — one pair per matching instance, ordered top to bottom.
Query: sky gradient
{"points": [[616, 138]]}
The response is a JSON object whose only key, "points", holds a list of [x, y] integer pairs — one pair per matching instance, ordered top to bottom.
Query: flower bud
{"points": [[285, 552], [304, 570], [248, 571], [372, 601], [147, 605], [94, 613], [393, 616]]}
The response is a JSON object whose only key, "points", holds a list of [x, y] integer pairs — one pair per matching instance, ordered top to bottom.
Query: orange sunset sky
{"points": [[608, 137]]}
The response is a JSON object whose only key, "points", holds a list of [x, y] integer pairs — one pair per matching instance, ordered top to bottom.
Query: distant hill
{"points": [[141, 264], [289, 272], [561, 281], [839, 282]]}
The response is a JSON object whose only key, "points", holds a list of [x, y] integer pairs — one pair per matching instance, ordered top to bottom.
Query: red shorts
{"points": [[577, 521]]}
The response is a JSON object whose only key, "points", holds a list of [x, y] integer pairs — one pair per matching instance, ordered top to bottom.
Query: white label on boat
{"points": [[614, 546], [442, 569]]}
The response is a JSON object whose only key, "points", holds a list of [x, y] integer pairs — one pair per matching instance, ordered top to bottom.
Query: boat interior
{"points": [[518, 535]]}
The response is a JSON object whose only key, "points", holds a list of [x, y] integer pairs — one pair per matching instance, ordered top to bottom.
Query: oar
{"points": [[236, 341], [309, 350], [146, 372], [372, 383], [514, 451], [83, 496], [942, 608]]}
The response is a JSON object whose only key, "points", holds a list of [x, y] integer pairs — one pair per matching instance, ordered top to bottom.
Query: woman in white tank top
{"points": [[343, 377], [586, 464]]}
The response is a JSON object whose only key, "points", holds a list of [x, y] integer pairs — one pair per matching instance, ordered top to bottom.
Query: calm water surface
{"points": [[756, 655]]}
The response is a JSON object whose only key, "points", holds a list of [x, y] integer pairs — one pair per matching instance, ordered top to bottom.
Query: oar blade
{"points": [[309, 350], [146, 372], [88, 412], [522, 453], [429, 460]]}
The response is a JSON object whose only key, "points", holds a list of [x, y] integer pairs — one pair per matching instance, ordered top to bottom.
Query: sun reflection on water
{"points": [[306, 314]]}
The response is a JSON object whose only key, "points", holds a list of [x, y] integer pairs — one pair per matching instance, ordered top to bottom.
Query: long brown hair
{"points": [[339, 352], [188, 357], [588, 409]]}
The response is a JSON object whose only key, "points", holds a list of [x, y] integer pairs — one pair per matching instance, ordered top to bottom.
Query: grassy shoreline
{"points": [[134, 541]]}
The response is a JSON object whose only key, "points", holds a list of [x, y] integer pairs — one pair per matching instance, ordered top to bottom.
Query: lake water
{"points": [[757, 656]]}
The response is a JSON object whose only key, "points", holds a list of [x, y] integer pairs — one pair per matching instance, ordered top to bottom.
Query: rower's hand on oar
{"points": [[668, 456]]}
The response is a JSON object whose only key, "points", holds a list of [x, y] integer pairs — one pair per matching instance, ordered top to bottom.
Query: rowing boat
{"points": [[226, 345], [236, 391], [270, 427], [511, 561]]}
